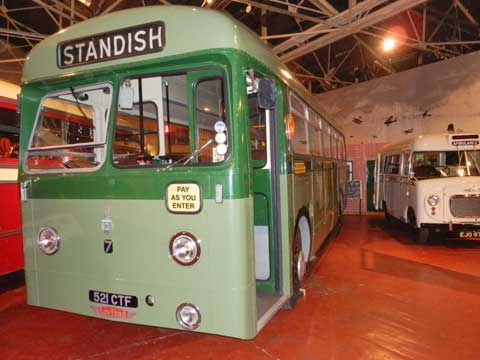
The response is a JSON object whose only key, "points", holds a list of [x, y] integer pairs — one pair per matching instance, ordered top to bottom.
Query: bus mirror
{"points": [[266, 94], [125, 97]]}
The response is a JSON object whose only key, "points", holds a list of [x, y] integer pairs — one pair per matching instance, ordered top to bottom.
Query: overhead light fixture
{"points": [[207, 2], [87, 3], [389, 44]]}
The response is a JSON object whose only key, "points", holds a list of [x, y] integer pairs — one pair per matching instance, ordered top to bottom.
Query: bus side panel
{"points": [[302, 193], [221, 284]]}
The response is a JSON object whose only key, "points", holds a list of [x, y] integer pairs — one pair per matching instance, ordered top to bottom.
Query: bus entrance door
{"points": [[264, 185]]}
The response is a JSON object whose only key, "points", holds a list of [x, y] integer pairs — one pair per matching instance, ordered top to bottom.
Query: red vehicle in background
{"points": [[11, 249]]}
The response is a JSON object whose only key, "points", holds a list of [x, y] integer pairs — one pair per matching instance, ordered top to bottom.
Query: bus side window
{"points": [[210, 109], [299, 112]]}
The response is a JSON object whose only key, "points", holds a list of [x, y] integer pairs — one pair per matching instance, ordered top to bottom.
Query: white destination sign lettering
{"points": [[121, 43], [465, 142], [184, 198]]}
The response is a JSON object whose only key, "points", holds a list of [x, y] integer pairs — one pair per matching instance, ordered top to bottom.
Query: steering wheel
{"points": [[444, 170]]}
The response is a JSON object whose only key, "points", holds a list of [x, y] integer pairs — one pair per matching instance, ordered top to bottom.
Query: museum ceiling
{"points": [[327, 43]]}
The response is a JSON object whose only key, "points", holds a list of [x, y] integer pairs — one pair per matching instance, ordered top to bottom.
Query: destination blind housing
{"points": [[132, 41]]}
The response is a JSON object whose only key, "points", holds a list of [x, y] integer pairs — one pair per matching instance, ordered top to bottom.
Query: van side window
{"points": [[405, 164], [392, 165]]}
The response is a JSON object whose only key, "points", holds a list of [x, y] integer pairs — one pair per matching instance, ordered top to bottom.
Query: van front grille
{"points": [[463, 206]]}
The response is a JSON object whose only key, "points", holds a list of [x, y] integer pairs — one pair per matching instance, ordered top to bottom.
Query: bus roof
{"points": [[187, 29], [436, 142]]}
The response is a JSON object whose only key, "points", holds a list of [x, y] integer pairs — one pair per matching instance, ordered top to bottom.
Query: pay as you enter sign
{"points": [[183, 198]]}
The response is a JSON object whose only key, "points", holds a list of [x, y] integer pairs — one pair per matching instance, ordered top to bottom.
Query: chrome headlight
{"points": [[433, 200], [48, 240], [184, 248], [188, 316]]}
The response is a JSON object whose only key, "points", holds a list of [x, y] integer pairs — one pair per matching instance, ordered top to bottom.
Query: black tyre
{"points": [[388, 217], [420, 235], [423, 235]]}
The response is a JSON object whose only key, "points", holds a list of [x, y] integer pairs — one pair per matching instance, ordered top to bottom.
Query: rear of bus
{"points": [[136, 198]]}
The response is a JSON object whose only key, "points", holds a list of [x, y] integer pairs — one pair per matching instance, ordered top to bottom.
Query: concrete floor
{"points": [[373, 295]]}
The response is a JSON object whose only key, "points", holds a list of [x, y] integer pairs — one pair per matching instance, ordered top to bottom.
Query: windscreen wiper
{"points": [[79, 106], [186, 159]]}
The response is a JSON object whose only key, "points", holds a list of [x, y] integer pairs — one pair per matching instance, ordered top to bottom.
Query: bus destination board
{"points": [[121, 43]]}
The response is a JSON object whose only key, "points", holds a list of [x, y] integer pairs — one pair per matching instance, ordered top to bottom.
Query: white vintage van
{"points": [[432, 182]]}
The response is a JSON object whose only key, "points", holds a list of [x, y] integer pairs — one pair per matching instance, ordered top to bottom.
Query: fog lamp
{"points": [[433, 200], [48, 240], [184, 248], [188, 316]]}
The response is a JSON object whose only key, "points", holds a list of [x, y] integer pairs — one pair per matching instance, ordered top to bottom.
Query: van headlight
{"points": [[433, 200], [48, 240], [184, 248]]}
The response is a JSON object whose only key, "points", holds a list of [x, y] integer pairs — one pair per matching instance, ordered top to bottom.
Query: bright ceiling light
{"points": [[85, 2], [389, 44]]}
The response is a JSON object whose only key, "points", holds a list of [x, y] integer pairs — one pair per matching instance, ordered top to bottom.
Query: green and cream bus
{"points": [[173, 173]]}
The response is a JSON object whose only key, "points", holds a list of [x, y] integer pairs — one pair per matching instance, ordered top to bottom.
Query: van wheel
{"points": [[388, 217], [420, 235], [423, 235], [298, 268]]}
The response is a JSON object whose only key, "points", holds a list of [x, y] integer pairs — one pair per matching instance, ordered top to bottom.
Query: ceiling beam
{"points": [[325, 6], [111, 7], [66, 8], [281, 11], [465, 12], [336, 20], [356, 26], [21, 34], [378, 58]]}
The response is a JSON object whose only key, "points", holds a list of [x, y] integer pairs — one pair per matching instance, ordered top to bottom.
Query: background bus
{"points": [[432, 182], [186, 183], [11, 258]]}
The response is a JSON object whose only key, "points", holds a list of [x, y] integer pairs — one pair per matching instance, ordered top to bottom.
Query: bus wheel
{"points": [[298, 269]]}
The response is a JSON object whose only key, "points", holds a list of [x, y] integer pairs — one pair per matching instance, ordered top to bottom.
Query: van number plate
{"points": [[472, 235], [101, 297]]}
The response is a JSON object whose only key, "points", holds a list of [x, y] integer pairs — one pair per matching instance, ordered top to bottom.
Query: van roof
{"points": [[429, 142]]}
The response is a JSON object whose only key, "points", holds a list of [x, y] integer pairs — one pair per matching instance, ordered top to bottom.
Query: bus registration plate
{"points": [[470, 235], [101, 297]]}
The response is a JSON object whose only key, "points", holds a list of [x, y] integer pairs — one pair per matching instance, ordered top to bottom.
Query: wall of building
{"points": [[421, 100]]}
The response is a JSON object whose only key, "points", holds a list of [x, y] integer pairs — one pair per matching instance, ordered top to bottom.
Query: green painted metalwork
{"points": [[222, 284]]}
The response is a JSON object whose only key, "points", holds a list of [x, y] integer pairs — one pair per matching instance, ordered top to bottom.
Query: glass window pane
{"points": [[210, 109], [70, 129], [158, 130], [258, 132], [9, 133], [176, 137]]}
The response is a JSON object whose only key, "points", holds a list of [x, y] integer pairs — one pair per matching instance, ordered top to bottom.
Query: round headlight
{"points": [[433, 200], [48, 240], [184, 248], [188, 316]]}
